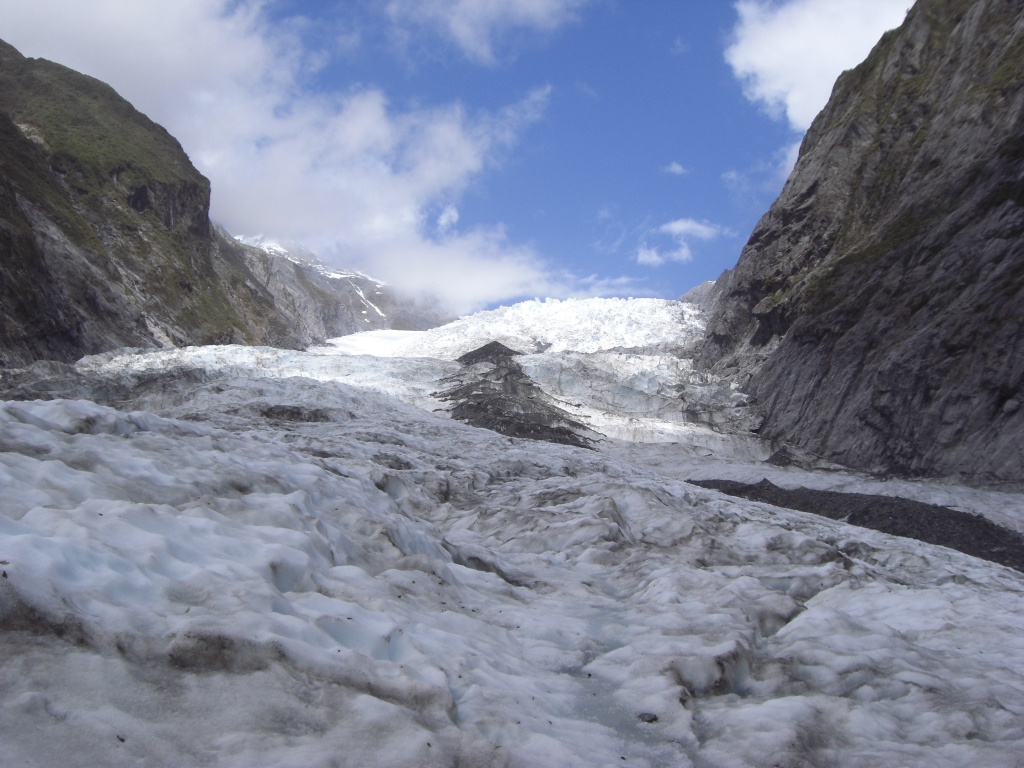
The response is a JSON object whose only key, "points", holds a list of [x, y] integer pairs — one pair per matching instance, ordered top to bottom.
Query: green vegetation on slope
{"points": [[121, 190]]}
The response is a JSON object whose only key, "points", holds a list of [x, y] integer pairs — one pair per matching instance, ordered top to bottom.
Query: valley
{"points": [[262, 510], [310, 539]]}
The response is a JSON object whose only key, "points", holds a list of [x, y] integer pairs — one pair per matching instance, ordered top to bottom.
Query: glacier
{"points": [[239, 556]]}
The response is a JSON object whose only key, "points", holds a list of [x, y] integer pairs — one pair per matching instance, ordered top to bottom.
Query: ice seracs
{"points": [[572, 325], [618, 365]]}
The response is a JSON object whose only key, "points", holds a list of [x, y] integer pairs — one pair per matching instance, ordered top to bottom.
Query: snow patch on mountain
{"points": [[302, 256]]}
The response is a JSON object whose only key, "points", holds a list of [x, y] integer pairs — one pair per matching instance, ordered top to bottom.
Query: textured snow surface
{"points": [[573, 325], [609, 362], [615, 364], [413, 380], [291, 561]]}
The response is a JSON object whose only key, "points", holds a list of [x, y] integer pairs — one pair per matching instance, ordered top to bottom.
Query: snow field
{"points": [[573, 325], [604, 359], [410, 380], [636, 397], [296, 563], [234, 589]]}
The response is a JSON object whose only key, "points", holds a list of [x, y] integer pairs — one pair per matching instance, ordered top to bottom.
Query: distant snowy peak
{"points": [[265, 244], [290, 250], [299, 254], [331, 301], [572, 325]]}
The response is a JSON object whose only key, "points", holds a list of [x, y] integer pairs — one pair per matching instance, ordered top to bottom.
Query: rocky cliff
{"points": [[106, 236], [106, 239], [325, 302], [877, 312]]}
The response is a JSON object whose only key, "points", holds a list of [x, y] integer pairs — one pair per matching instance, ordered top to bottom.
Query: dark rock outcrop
{"points": [[106, 237], [703, 296], [877, 312], [493, 352], [493, 392], [962, 531]]}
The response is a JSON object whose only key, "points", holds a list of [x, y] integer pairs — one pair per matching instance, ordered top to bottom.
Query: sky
{"points": [[479, 151]]}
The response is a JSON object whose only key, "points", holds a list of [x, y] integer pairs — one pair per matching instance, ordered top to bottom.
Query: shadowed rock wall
{"points": [[105, 235], [877, 312]]}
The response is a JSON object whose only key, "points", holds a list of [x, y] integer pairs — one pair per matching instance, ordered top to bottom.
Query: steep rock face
{"points": [[105, 236], [57, 295], [324, 302], [877, 311]]}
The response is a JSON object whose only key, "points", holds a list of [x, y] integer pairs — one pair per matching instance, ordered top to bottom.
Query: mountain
{"points": [[106, 239], [327, 302], [876, 314], [552, 534]]}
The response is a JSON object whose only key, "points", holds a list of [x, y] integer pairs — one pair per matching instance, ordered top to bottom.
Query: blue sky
{"points": [[635, 88], [479, 150]]}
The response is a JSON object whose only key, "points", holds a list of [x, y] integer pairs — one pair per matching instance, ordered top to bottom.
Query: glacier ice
{"points": [[293, 559]]}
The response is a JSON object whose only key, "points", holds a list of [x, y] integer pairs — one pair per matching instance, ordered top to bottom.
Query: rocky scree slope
{"points": [[876, 311], [493, 392]]}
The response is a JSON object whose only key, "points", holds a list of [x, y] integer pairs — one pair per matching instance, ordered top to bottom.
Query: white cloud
{"points": [[474, 24], [789, 54], [675, 169], [346, 174], [766, 177], [449, 218], [683, 228], [682, 231], [650, 257]]}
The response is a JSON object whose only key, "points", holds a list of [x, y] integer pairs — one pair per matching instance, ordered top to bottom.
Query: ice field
{"points": [[279, 558]]}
